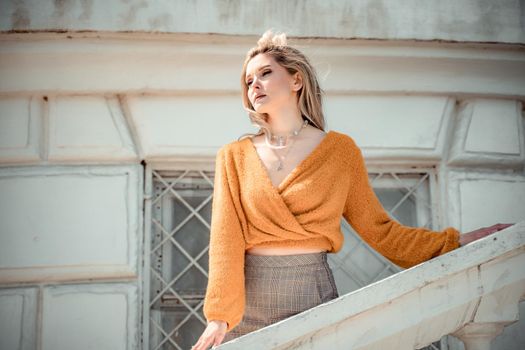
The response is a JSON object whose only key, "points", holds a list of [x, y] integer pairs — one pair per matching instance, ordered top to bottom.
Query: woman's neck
{"points": [[284, 123]]}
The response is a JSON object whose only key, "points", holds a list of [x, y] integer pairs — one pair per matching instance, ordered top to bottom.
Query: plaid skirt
{"points": [[280, 286]]}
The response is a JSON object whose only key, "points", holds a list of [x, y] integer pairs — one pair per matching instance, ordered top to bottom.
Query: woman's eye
{"points": [[249, 82]]}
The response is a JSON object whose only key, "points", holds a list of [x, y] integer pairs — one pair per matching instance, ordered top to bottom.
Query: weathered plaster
{"points": [[450, 20]]}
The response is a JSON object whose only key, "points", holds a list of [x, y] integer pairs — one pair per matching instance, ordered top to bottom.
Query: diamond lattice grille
{"points": [[178, 211], [180, 224]]}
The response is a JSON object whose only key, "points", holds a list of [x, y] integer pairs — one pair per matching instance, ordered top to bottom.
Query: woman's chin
{"points": [[260, 109]]}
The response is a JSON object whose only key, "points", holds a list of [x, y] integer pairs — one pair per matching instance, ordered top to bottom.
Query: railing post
{"points": [[498, 308], [478, 336]]}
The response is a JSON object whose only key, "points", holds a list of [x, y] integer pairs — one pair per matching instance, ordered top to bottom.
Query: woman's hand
{"points": [[471, 236], [212, 335]]}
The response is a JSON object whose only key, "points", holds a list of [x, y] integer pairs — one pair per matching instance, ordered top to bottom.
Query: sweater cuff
{"points": [[451, 241]]}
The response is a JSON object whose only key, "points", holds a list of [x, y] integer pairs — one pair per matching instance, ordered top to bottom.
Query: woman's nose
{"points": [[255, 83]]}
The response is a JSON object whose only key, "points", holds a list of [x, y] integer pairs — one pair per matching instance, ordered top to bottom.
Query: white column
{"points": [[478, 336]]}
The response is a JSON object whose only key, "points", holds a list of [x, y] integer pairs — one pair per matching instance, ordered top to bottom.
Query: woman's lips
{"points": [[259, 97]]}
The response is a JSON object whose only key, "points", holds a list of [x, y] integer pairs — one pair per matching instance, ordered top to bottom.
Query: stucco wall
{"points": [[468, 20]]}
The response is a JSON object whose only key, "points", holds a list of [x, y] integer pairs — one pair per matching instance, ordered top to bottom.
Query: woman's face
{"points": [[270, 86]]}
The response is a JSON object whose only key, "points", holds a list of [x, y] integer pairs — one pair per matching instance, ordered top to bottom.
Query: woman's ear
{"points": [[297, 82]]}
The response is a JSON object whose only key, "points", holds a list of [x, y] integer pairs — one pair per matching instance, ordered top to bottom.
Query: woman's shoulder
{"points": [[345, 140], [234, 147]]}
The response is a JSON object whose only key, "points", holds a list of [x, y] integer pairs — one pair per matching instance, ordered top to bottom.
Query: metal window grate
{"points": [[177, 217], [178, 256]]}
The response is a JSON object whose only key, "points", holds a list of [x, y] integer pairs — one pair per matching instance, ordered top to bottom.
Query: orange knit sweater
{"points": [[305, 210]]}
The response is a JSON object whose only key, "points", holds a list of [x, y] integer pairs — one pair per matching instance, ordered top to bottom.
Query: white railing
{"points": [[471, 293]]}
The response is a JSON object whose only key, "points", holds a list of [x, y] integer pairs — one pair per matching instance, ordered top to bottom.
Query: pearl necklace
{"points": [[282, 144]]}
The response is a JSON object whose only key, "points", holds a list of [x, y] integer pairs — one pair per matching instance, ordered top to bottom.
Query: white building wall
{"points": [[467, 20], [79, 112]]}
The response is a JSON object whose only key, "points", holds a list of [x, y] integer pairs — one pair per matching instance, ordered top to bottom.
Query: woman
{"points": [[278, 200]]}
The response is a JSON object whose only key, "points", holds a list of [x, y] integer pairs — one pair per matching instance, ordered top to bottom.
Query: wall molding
{"points": [[65, 63]]}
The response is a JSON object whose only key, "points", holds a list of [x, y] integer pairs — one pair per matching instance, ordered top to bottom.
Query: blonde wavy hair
{"points": [[294, 61]]}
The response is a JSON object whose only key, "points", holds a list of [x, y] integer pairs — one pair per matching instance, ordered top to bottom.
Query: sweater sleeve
{"points": [[403, 245], [225, 294]]}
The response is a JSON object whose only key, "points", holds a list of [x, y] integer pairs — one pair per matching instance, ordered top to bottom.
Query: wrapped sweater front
{"points": [[305, 210]]}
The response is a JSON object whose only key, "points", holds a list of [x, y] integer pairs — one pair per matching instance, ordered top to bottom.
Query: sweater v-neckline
{"points": [[318, 148]]}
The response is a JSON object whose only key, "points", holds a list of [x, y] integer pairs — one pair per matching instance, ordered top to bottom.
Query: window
{"points": [[177, 221], [176, 261]]}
